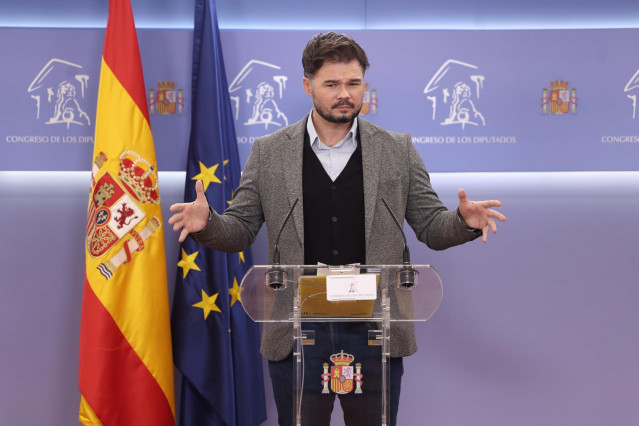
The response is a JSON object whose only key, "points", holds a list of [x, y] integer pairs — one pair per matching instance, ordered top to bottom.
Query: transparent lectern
{"points": [[344, 320]]}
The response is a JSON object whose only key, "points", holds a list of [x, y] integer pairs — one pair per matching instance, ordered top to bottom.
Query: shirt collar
{"points": [[351, 136]]}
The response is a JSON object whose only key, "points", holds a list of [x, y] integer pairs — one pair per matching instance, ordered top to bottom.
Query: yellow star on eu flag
{"points": [[225, 163], [207, 175], [231, 200], [240, 257], [188, 262], [235, 292], [207, 304]]}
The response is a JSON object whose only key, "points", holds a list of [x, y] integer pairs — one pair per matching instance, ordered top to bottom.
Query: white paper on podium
{"points": [[351, 287]]}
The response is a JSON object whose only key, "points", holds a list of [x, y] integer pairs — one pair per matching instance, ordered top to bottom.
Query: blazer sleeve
{"points": [[434, 225], [236, 228]]}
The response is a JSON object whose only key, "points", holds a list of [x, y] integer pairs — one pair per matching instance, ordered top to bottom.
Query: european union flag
{"points": [[215, 344]]}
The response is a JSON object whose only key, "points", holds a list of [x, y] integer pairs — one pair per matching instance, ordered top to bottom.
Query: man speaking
{"points": [[339, 167]]}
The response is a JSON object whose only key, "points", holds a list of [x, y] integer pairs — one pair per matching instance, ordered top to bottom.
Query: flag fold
{"points": [[215, 344], [125, 358]]}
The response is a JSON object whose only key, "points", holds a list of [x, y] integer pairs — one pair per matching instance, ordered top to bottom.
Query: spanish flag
{"points": [[126, 365]]}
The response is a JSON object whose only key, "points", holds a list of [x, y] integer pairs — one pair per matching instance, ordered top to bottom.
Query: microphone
{"points": [[406, 275], [276, 276]]}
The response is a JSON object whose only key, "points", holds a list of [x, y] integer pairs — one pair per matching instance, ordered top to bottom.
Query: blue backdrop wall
{"points": [[538, 326]]}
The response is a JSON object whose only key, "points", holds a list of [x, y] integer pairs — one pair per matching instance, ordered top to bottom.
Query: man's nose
{"points": [[343, 92]]}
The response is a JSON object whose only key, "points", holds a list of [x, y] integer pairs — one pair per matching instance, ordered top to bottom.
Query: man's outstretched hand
{"points": [[478, 214], [191, 217]]}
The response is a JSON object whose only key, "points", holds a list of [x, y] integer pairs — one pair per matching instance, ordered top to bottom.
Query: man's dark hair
{"points": [[332, 47]]}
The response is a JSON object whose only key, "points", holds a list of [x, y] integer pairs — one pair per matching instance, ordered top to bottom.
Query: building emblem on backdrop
{"points": [[633, 86], [59, 92], [454, 94], [255, 95], [560, 99], [166, 100], [370, 101], [116, 208], [343, 377]]}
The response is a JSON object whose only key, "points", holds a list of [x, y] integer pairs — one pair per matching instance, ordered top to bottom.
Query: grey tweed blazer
{"points": [[272, 180]]}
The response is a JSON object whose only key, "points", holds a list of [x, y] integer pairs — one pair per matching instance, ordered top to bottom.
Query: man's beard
{"points": [[342, 118]]}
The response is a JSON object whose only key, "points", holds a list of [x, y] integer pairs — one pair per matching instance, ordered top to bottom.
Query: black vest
{"points": [[333, 211]]}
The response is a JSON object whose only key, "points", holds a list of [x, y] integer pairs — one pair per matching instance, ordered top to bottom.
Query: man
{"points": [[339, 167]]}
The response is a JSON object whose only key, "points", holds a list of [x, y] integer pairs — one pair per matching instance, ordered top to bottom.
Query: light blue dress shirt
{"points": [[333, 158]]}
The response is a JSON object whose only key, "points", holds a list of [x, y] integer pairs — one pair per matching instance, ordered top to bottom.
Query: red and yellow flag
{"points": [[126, 365]]}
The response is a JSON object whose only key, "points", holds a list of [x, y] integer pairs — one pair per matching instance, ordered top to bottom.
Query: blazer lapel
{"points": [[292, 158], [371, 164]]}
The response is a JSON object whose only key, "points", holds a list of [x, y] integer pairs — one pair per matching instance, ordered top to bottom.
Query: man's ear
{"points": [[307, 85]]}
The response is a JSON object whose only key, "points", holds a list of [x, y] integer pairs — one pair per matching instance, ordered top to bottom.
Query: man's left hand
{"points": [[478, 214]]}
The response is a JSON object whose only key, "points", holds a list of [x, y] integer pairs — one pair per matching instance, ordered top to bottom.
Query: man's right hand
{"points": [[191, 217]]}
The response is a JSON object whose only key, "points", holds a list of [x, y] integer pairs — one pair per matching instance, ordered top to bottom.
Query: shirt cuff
{"points": [[468, 228]]}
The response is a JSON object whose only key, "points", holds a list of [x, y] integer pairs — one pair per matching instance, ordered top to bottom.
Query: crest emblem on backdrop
{"points": [[59, 92], [454, 92], [167, 100], [560, 100], [370, 101], [116, 208], [343, 377]]}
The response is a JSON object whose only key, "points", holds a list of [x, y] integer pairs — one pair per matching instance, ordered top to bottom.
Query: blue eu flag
{"points": [[215, 343]]}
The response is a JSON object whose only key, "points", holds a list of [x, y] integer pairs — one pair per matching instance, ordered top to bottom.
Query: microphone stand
{"points": [[406, 275], [276, 276]]}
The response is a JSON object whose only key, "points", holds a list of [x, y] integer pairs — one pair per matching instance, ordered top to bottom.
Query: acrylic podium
{"points": [[344, 320]]}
